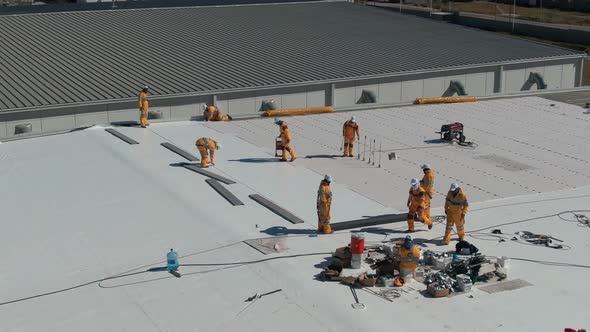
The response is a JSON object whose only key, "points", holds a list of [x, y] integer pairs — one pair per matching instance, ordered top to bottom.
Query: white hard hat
{"points": [[145, 87], [353, 119], [425, 166], [327, 178], [415, 183], [454, 186]]}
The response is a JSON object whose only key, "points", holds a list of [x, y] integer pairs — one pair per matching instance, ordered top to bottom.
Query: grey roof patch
{"points": [[78, 57]]}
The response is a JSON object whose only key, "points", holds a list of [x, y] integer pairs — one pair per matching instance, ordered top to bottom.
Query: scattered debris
{"points": [[505, 286]]}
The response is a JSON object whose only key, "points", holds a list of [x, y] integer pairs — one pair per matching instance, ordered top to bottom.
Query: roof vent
{"points": [[367, 97], [268, 105], [155, 115], [23, 128]]}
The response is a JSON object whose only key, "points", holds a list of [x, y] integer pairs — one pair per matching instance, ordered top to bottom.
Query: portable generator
{"points": [[453, 131]]}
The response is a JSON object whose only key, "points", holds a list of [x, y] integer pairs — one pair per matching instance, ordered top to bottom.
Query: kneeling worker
{"points": [[213, 113], [285, 135], [207, 147], [324, 202], [417, 205], [456, 207], [409, 255]]}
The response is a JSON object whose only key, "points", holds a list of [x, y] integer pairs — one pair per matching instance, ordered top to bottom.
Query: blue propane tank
{"points": [[172, 259]]}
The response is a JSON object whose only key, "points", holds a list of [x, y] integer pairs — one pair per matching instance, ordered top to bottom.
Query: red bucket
{"points": [[357, 243]]}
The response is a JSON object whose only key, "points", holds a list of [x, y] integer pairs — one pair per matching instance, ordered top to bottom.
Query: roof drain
{"points": [[536, 78], [455, 87], [367, 97], [268, 105], [154, 115], [23, 128]]}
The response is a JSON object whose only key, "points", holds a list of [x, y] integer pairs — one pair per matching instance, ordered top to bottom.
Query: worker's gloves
{"points": [[408, 204], [463, 217]]}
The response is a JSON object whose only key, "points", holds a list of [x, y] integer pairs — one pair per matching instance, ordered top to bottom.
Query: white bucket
{"points": [[504, 262]]}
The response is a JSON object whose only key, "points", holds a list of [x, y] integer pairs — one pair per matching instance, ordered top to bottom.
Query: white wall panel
{"points": [[514, 79], [475, 84], [434, 87], [412, 90], [390, 92], [58, 123]]}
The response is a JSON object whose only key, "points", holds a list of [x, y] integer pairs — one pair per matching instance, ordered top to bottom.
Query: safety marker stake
{"points": [[365, 148], [374, 148], [370, 151], [380, 153]]}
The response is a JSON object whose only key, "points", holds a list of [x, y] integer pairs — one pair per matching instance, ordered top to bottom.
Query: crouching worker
{"points": [[213, 113], [207, 147], [323, 205], [417, 205], [408, 257]]}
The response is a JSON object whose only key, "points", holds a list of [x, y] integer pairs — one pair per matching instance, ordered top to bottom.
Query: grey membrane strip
{"points": [[121, 136], [179, 151], [201, 171], [231, 198], [290, 217], [372, 221]]}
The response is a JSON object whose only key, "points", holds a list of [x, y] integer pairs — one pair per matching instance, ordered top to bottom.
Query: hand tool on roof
{"points": [[257, 296], [357, 304]]}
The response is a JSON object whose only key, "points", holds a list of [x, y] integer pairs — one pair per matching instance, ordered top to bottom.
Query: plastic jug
{"points": [[172, 260]]}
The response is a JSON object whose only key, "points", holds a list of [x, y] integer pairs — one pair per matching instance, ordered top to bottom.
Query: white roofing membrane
{"points": [[85, 205]]}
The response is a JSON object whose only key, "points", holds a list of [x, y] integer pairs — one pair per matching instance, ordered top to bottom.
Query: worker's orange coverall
{"points": [[142, 98], [213, 113], [348, 131], [286, 141], [206, 147], [427, 183], [417, 205], [323, 206], [456, 207], [408, 259]]}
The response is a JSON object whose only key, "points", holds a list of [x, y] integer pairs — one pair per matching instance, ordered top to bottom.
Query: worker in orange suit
{"points": [[143, 106], [213, 113], [349, 130], [285, 135], [207, 147], [427, 183], [324, 202], [416, 205], [456, 207], [408, 257]]}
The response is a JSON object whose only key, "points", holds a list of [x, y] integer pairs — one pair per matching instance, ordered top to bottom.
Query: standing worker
{"points": [[143, 106], [213, 113], [349, 129], [285, 135], [207, 147], [427, 183], [416, 204], [323, 205], [456, 207], [409, 255]]}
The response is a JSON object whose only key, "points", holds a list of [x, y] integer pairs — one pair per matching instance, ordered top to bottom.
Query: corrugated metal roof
{"points": [[128, 4], [61, 58]]}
